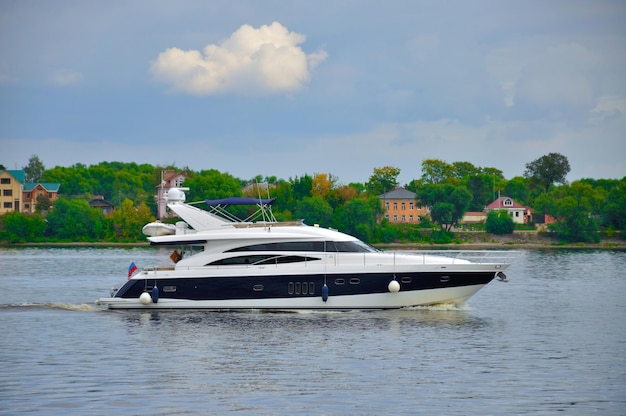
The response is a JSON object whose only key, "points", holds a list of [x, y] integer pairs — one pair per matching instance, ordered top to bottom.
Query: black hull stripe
{"points": [[286, 286]]}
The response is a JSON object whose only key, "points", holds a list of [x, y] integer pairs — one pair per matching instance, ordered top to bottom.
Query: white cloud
{"points": [[251, 60], [65, 77]]}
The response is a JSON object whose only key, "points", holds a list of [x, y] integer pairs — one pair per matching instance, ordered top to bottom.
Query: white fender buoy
{"points": [[394, 286], [145, 298]]}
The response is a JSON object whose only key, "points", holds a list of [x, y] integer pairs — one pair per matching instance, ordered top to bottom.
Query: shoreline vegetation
{"points": [[464, 240]]}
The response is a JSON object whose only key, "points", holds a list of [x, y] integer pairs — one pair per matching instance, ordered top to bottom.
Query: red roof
{"points": [[500, 203]]}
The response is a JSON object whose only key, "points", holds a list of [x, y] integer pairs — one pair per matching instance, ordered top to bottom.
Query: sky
{"points": [[288, 88]]}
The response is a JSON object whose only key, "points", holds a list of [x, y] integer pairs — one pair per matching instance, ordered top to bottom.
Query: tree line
{"points": [[582, 208]]}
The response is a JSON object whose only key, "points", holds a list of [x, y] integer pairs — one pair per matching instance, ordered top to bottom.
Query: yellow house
{"points": [[11, 190], [400, 205]]}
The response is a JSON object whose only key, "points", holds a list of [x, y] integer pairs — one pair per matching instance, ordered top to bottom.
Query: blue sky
{"points": [[286, 88]]}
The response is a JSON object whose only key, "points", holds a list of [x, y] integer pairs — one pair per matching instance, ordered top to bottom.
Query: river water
{"points": [[550, 341]]}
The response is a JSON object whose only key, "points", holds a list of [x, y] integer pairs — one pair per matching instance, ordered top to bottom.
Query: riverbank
{"points": [[519, 239]]}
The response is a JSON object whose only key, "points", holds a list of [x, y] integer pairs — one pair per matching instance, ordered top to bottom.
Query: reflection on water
{"points": [[551, 340]]}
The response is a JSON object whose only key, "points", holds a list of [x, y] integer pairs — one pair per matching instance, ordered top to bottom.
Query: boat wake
{"points": [[60, 306], [439, 307]]}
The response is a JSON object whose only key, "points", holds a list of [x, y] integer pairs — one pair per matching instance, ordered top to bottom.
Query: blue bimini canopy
{"points": [[239, 201]]}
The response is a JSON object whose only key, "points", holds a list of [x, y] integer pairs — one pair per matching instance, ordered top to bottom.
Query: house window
{"points": [[5, 181], [7, 192], [28, 195], [508, 203], [8, 205], [387, 205], [395, 205], [403, 206], [411, 206], [419, 206], [517, 213], [395, 218], [404, 218], [410, 218], [419, 218]]}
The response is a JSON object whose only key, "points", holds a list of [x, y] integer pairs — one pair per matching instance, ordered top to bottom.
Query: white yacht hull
{"points": [[451, 295]]}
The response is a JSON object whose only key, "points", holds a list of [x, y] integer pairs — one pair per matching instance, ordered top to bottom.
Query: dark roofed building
{"points": [[401, 206]]}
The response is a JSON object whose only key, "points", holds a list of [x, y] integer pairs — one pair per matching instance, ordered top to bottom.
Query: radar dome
{"points": [[175, 195]]}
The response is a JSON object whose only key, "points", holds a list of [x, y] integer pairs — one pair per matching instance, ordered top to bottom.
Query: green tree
{"points": [[464, 169], [548, 169], [34, 171], [437, 171], [382, 180], [212, 184], [481, 186], [301, 187], [517, 188], [448, 202], [43, 203], [574, 206], [314, 210], [614, 211], [358, 217], [71, 220], [129, 220], [499, 222], [21, 228]]}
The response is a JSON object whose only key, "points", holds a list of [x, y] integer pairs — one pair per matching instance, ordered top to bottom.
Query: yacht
{"points": [[221, 262]]}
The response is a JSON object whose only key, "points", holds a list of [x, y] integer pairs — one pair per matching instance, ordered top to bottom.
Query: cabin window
{"points": [[286, 246], [316, 246], [349, 247], [261, 259], [406, 279], [340, 281], [355, 281], [257, 288], [301, 288], [169, 289]]}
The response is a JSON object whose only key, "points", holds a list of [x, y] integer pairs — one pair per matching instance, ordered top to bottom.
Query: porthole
{"points": [[406, 279], [444, 279], [340, 281], [355, 281], [257, 288], [290, 288], [298, 288], [305, 288], [311, 288], [169, 289]]}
